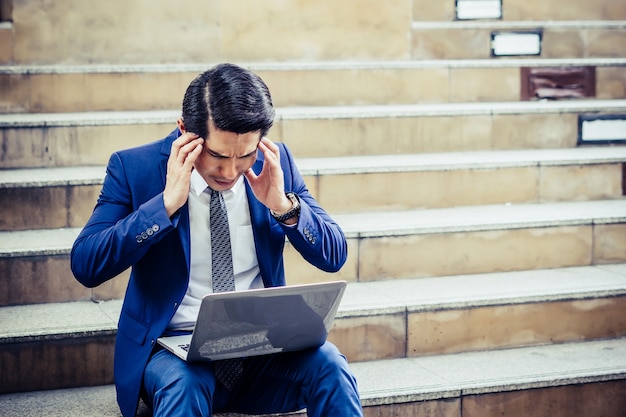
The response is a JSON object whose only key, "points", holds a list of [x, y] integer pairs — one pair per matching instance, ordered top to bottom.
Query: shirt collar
{"points": [[199, 185]]}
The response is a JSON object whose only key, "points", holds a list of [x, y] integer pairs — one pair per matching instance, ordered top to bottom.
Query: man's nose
{"points": [[229, 168]]}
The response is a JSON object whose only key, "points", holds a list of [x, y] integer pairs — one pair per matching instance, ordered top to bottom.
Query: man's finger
{"points": [[187, 148], [193, 155]]}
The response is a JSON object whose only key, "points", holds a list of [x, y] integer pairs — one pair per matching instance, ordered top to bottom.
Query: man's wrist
{"points": [[293, 211]]}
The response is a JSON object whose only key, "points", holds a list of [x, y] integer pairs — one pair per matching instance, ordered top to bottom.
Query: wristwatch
{"points": [[294, 211]]}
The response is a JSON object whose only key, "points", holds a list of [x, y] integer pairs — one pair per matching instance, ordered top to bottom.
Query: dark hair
{"points": [[236, 99]]}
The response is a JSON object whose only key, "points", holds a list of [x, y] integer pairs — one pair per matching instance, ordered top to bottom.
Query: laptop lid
{"points": [[264, 321]]}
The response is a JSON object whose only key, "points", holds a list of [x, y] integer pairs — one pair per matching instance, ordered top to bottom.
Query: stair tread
{"points": [[521, 24], [28, 69], [449, 109], [105, 118], [461, 160], [90, 175], [54, 176], [481, 218], [38, 242], [42, 242], [76, 319], [56, 320], [469, 373], [415, 379]]}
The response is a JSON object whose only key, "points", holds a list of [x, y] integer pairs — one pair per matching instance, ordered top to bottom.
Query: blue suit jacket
{"points": [[129, 227]]}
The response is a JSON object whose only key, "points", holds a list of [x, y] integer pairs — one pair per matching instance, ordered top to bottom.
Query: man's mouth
{"points": [[224, 183]]}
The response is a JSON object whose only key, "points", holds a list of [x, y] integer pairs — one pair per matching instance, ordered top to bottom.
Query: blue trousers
{"points": [[318, 379]]}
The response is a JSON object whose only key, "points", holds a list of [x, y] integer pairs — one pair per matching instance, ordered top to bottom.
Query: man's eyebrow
{"points": [[212, 152], [250, 153], [219, 155]]}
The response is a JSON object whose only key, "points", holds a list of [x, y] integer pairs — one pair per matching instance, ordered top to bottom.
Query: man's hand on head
{"points": [[184, 152], [269, 185]]}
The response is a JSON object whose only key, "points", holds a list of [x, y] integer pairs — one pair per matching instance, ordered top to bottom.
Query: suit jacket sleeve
{"points": [[122, 227], [317, 237]]}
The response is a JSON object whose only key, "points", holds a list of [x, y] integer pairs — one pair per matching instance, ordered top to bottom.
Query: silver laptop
{"points": [[259, 322]]}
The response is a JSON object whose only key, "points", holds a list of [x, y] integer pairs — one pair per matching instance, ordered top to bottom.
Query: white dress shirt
{"points": [[245, 263]]}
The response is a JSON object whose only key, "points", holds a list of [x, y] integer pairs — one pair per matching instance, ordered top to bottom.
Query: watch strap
{"points": [[293, 212]]}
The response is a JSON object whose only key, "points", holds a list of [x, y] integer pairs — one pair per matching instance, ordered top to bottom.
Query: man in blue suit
{"points": [[153, 214]]}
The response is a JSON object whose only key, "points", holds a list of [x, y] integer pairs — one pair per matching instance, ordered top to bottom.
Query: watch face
{"points": [[294, 200]]}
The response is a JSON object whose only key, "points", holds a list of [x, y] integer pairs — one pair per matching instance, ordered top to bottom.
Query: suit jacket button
{"points": [[155, 228], [149, 231], [144, 235], [138, 238]]}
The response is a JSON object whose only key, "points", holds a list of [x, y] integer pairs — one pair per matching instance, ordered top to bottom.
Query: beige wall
{"points": [[164, 31]]}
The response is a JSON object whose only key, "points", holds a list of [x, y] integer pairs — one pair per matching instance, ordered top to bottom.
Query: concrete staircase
{"points": [[487, 248]]}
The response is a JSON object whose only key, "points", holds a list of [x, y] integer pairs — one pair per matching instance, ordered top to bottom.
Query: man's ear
{"points": [[181, 125]]}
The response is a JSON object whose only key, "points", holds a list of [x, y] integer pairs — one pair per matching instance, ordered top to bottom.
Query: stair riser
{"points": [[425, 10], [218, 32], [475, 43], [6, 45], [76, 92], [398, 135], [73, 145], [92, 145], [437, 189], [71, 206], [46, 207], [443, 254], [39, 279], [48, 279], [487, 328], [466, 329], [56, 364], [606, 399], [449, 407]]}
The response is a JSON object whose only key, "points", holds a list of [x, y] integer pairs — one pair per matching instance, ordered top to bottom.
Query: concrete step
{"points": [[553, 10], [472, 39], [64, 88], [73, 139], [45, 198], [48, 198], [480, 239], [34, 264], [35, 268], [462, 313], [377, 320], [542, 381]]}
